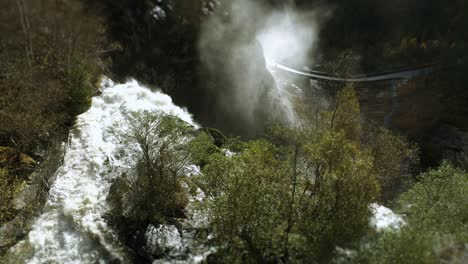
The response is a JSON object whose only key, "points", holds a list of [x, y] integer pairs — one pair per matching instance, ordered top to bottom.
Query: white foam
{"points": [[383, 218], [72, 228]]}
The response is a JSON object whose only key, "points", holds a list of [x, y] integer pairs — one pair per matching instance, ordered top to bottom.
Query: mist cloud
{"points": [[289, 37], [235, 47]]}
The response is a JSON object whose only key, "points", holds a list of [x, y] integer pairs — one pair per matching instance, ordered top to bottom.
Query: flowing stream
{"points": [[72, 228]]}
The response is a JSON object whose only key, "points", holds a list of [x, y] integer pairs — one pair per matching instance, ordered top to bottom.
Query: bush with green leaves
{"points": [[201, 147], [436, 229]]}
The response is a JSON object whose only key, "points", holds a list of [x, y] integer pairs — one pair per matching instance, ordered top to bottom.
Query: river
{"points": [[72, 228]]}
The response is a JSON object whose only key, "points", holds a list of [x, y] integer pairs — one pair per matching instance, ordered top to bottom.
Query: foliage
{"points": [[347, 113], [344, 114], [201, 148], [345, 185], [151, 191], [293, 197], [245, 211], [436, 229]]}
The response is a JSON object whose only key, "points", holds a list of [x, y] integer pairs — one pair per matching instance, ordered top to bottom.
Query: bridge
{"points": [[405, 74]]}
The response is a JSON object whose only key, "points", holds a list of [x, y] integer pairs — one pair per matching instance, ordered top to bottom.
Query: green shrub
{"points": [[79, 90], [201, 148], [436, 229]]}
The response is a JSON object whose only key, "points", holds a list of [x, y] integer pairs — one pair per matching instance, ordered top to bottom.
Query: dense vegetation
{"points": [[289, 202]]}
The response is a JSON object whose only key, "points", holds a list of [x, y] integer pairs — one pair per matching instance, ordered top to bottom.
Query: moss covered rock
{"points": [[17, 163]]}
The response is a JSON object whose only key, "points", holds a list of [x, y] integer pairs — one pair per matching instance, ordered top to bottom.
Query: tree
{"points": [[26, 26], [50, 64], [79, 90], [344, 114], [150, 192], [295, 195], [336, 208], [245, 211]]}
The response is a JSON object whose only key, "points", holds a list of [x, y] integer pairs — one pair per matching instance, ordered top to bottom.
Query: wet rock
{"points": [[116, 196], [164, 241]]}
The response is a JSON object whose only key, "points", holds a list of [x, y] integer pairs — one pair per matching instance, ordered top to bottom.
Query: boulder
{"points": [[164, 241]]}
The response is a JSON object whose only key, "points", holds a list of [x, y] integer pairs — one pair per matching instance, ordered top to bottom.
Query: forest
{"points": [[159, 131]]}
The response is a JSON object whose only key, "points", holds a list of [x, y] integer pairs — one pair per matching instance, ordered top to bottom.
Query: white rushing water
{"points": [[385, 219], [72, 228]]}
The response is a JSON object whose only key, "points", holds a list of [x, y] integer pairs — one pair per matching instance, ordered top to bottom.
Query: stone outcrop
{"points": [[35, 180]]}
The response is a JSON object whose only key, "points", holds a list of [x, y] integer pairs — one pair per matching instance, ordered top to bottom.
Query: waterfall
{"points": [[72, 228]]}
